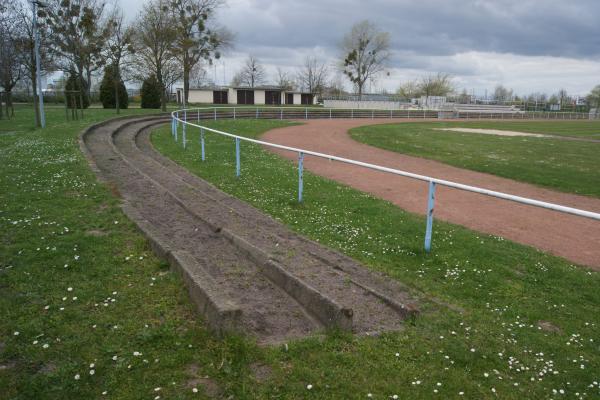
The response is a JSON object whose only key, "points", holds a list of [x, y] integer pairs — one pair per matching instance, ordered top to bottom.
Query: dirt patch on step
{"points": [[96, 232], [549, 327], [261, 372], [204, 383]]}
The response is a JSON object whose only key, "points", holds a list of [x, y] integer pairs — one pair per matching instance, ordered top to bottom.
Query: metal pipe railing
{"points": [[175, 115]]}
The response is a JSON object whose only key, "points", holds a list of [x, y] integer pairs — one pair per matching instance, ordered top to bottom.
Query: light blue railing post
{"points": [[215, 112], [234, 113], [281, 114], [176, 125], [172, 126], [183, 138], [202, 154], [237, 157], [300, 175], [430, 207]]}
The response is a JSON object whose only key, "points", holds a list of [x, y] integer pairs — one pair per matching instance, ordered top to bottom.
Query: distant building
{"points": [[263, 95]]}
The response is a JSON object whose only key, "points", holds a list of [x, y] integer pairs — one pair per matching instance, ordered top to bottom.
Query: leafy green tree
{"points": [[151, 93], [108, 95]]}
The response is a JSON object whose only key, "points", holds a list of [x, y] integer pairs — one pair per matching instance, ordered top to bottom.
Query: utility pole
{"points": [[35, 4]]}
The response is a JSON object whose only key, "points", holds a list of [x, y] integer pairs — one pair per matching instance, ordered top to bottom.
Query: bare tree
{"points": [[79, 30], [155, 35], [195, 38], [25, 44], [119, 46], [365, 53], [11, 65], [251, 74], [313, 75], [199, 76], [284, 80], [335, 85], [436, 85], [409, 90], [502, 94], [463, 97], [563, 97], [593, 99]]}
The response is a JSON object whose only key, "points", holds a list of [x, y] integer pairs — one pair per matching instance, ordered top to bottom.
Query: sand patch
{"points": [[491, 132]]}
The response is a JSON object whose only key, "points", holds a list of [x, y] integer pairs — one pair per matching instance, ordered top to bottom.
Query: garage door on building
{"points": [[245, 96], [220, 97], [272, 97], [307, 98]]}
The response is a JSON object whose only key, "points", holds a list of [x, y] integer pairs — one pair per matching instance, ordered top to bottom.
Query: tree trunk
{"points": [[116, 79], [186, 80], [88, 87], [81, 90], [163, 91], [9, 104], [38, 122]]}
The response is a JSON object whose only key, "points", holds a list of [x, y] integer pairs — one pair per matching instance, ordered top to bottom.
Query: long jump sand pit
{"points": [[497, 132]]}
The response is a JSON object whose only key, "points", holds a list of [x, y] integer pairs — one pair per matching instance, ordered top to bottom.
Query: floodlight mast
{"points": [[38, 67]]}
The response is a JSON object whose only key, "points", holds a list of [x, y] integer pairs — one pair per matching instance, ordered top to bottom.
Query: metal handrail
{"points": [[175, 116]]}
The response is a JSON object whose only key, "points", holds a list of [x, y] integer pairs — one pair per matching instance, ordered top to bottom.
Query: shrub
{"points": [[107, 90], [150, 93]]}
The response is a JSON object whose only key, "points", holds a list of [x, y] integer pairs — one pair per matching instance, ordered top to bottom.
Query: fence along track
{"points": [[187, 117]]}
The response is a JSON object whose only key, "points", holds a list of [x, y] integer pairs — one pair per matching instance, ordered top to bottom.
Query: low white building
{"points": [[263, 95]]}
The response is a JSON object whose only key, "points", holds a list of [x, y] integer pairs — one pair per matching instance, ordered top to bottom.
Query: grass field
{"points": [[568, 166], [506, 291], [86, 308]]}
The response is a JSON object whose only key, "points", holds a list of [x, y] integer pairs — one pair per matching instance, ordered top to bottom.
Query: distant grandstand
{"points": [[451, 103]]}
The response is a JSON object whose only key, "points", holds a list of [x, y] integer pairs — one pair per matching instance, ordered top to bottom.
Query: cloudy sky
{"points": [[528, 45]]}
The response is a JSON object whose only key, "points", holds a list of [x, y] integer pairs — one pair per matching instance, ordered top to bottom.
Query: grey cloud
{"points": [[524, 27]]}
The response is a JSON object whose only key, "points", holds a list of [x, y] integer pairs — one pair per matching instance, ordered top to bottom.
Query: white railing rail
{"points": [[181, 116]]}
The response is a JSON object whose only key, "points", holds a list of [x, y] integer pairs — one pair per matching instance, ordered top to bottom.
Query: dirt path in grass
{"points": [[574, 238], [244, 270]]}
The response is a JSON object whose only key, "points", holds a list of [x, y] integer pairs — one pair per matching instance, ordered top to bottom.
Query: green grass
{"points": [[566, 166], [54, 213], [503, 289]]}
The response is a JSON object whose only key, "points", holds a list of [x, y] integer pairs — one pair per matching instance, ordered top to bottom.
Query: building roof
{"points": [[264, 87]]}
